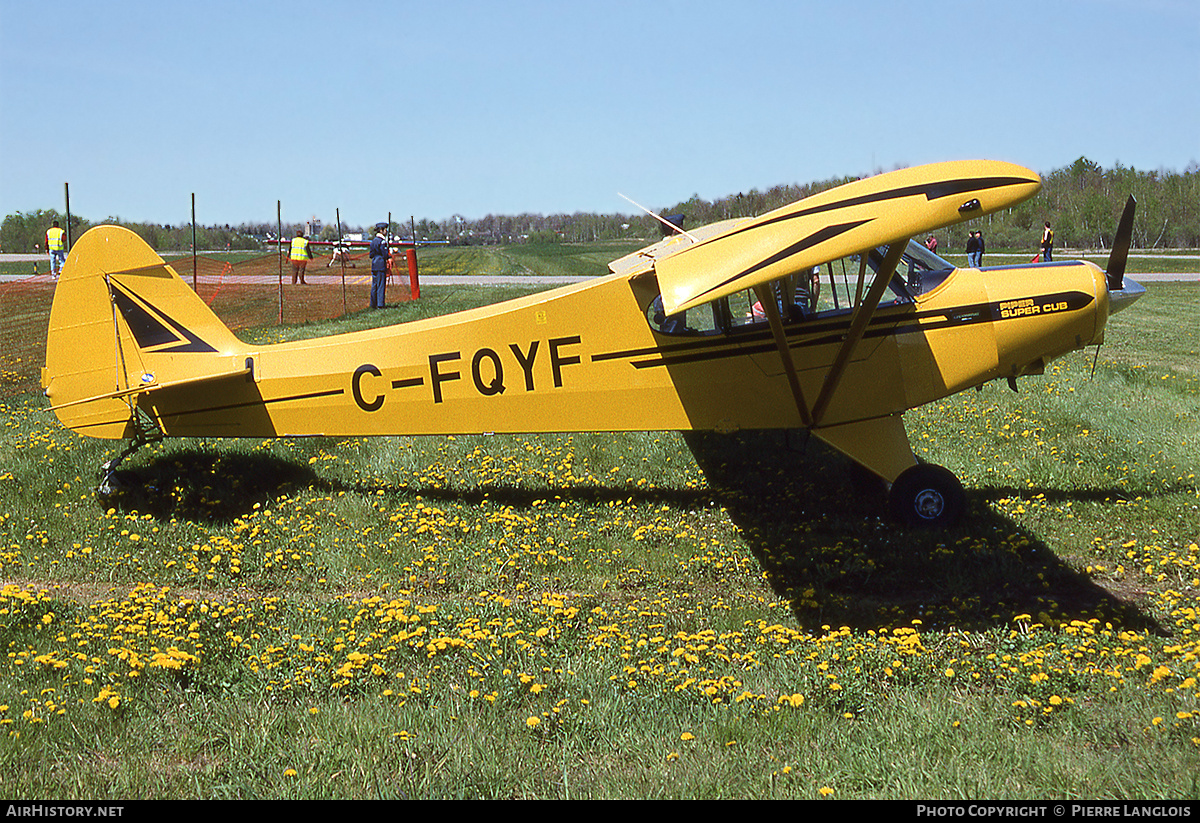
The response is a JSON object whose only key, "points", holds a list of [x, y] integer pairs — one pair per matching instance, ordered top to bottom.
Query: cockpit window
{"points": [[832, 288], [699, 321]]}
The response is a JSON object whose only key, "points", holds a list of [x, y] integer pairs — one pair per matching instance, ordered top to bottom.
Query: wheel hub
{"points": [[929, 504]]}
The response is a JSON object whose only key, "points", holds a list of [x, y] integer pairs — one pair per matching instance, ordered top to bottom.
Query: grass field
{"points": [[637, 616]]}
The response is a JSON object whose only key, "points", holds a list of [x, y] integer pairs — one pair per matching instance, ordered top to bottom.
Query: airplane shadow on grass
{"points": [[207, 486], [219, 486], [818, 530], [822, 536]]}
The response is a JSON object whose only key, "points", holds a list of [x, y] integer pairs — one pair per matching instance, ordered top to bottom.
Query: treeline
{"points": [[1082, 202], [25, 232]]}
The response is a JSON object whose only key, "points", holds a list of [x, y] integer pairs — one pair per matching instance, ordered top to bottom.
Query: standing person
{"points": [[931, 244], [1047, 244], [57, 246], [979, 249], [972, 251], [300, 255], [379, 258]]}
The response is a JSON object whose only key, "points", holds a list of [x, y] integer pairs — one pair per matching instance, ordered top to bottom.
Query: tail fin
{"points": [[124, 324]]}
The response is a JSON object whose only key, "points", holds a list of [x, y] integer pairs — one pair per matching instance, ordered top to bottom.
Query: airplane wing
{"points": [[875, 211], [642, 261]]}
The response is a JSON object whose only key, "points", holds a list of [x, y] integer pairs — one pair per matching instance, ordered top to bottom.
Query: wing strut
{"points": [[862, 278], [770, 305], [858, 326]]}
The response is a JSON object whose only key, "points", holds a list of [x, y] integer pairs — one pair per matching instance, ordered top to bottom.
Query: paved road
{"points": [[361, 277], [354, 279], [485, 280]]}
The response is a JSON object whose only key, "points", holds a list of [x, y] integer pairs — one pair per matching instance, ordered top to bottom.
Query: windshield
{"points": [[920, 269]]}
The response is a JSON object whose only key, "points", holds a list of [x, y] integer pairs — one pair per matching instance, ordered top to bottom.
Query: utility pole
{"points": [[67, 195], [279, 234], [341, 253], [194, 288]]}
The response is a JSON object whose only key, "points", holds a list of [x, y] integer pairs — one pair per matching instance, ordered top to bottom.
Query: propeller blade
{"points": [[1120, 249]]}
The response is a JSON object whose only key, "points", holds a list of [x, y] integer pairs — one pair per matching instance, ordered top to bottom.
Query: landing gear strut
{"points": [[143, 432], [109, 484], [926, 496]]}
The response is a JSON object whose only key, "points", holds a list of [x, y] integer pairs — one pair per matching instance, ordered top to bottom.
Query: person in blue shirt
{"points": [[972, 251], [379, 259]]}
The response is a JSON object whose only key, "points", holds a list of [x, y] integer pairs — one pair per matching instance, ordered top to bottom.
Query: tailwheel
{"points": [[144, 432], [110, 484], [927, 496]]}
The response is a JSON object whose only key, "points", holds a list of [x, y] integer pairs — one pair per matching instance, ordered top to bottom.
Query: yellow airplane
{"points": [[821, 315]]}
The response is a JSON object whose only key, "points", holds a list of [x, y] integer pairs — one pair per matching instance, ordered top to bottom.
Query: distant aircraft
{"points": [[713, 329]]}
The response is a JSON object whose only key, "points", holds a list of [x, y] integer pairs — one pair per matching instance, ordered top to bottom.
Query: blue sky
{"points": [[437, 108]]}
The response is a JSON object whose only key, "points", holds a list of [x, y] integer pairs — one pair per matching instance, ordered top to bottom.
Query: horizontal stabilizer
{"points": [[152, 387]]}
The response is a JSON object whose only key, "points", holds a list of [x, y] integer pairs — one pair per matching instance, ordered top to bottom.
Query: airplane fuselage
{"points": [[585, 358]]}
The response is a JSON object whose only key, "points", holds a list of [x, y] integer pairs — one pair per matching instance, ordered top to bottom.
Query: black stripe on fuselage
{"points": [[819, 332], [252, 403]]}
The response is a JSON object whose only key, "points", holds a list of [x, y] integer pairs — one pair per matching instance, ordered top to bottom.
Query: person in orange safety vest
{"points": [[300, 255]]}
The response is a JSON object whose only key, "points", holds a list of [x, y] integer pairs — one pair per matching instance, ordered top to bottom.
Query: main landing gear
{"points": [[926, 496]]}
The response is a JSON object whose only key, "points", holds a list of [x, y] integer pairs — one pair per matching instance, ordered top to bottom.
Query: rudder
{"points": [[122, 324]]}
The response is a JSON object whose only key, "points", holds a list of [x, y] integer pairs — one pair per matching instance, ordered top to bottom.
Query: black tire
{"points": [[927, 496]]}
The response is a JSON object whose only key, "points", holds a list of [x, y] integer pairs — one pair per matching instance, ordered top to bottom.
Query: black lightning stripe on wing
{"points": [[931, 191], [814, 239]]}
